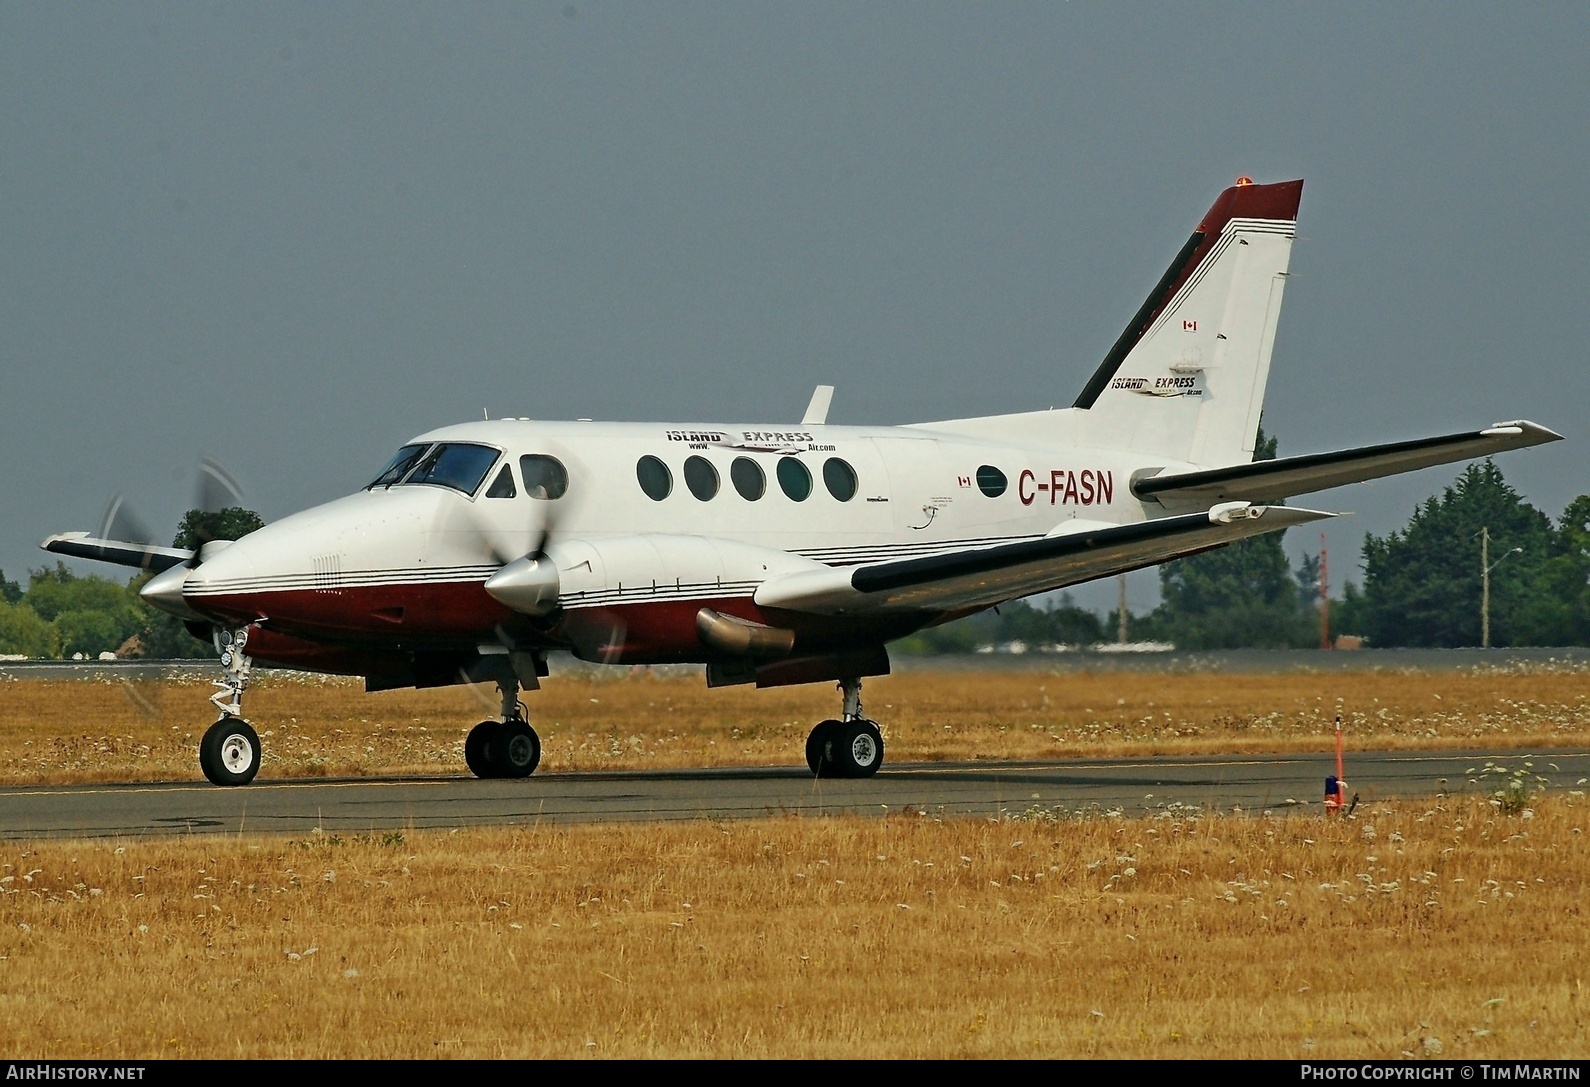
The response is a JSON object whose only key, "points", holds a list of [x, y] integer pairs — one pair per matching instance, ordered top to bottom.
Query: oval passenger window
{"points": [[544, 477], [701, 477], [655, 478], [748, 478], [794, 478], [840, 479], [991, 481]]}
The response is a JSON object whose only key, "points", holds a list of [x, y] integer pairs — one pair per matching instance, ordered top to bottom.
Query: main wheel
{"points": [[475, 745], [857, 749], [515, 750], [229, 754], [818, 755]]}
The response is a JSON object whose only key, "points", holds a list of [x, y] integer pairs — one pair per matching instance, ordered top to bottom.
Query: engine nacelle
{"points": [[655, 566]]}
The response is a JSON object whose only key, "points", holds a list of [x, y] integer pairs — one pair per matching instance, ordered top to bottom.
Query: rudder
{"points": [[1186, 378]]}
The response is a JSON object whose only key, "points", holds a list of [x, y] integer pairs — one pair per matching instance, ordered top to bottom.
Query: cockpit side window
{"points": [[459, 465], [398, 466], [544, 477], [502, 486]]}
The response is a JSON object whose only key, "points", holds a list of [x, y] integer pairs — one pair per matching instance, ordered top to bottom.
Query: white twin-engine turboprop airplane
{"points": [[774, 553]]}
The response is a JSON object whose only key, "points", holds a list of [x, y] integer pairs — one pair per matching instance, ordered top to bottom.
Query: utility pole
{"points": [[1486, 566], [1485, 587], [1324, 598], [1120, 614]]}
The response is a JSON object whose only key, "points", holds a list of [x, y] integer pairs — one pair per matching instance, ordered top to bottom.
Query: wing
{"points": [[1268, 480], [80, 545], [982, 577]]}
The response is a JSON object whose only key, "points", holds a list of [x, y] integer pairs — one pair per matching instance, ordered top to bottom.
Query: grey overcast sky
{"points": [[291, 236]]}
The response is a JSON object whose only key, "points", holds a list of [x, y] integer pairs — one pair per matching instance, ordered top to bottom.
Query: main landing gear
{"points": [[508, 748], [848, 748], [229, 754]]}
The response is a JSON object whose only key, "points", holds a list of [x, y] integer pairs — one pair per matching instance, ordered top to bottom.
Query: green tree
{"points": [[200, 527], [1422, 586], [10, 591], [52, 593], [1243, 594], [1559, 611], [91, 615], [1348, 615], [22, 631], [94, 632]]}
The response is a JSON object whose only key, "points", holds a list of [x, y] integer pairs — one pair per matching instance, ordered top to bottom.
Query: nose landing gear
{"points": [[508, 748], [847, 748], [229, 753]]}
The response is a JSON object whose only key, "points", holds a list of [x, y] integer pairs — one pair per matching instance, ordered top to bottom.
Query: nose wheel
{"points": [[848, 748], [229, 754]]}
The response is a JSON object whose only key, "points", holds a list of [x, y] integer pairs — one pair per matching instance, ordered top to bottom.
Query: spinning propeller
{"points": [[215, 490], [527, 577]]}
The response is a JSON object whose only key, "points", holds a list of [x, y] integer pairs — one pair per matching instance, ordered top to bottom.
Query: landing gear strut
{"points": [[508, 748], [847, 748], [229, 753]]}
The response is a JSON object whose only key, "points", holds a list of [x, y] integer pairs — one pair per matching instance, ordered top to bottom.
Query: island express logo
{"points": [[1175, 385], [751, 441]]}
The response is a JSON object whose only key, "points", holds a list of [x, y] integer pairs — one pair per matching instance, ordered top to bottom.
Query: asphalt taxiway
{"points": [[1133, 786]]}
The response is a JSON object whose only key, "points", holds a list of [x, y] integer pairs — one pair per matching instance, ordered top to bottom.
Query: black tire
{"points": [[475, 745], [817, 748], [515, 750], [857, 750], [230, 752]]}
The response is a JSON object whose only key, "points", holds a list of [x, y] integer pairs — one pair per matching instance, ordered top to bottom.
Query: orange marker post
{"points": [[1336, 784]]}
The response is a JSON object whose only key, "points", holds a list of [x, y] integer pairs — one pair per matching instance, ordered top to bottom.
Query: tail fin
{"points": [[1186, 379]]}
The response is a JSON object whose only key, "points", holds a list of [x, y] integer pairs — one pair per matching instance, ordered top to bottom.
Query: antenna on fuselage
{"points": [[817, 410]]}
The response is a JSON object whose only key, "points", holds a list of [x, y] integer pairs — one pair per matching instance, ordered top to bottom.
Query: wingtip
{"points": [[1539, 435], [1225, 513], [1298, 516], [61, 537]]}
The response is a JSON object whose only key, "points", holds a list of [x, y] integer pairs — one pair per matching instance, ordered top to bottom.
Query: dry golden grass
{"points": [[77, 730], [1438, 927]]}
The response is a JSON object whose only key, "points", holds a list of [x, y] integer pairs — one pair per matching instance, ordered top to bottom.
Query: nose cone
{"points": [[528, 585], [164, 591]]}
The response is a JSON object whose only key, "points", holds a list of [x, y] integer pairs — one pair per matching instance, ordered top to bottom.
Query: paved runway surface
{"points": [[1131, 786]]}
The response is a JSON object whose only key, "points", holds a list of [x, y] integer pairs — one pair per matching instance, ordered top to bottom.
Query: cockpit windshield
{"points": [[458, 465], [399, 466]]}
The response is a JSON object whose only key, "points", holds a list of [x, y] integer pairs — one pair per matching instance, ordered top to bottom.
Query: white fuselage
{"points": [[405, 563]]}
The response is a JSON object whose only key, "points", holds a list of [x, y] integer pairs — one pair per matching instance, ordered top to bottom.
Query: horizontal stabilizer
{"points": [[1268, 480], [80, 545], [982, 577]]}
